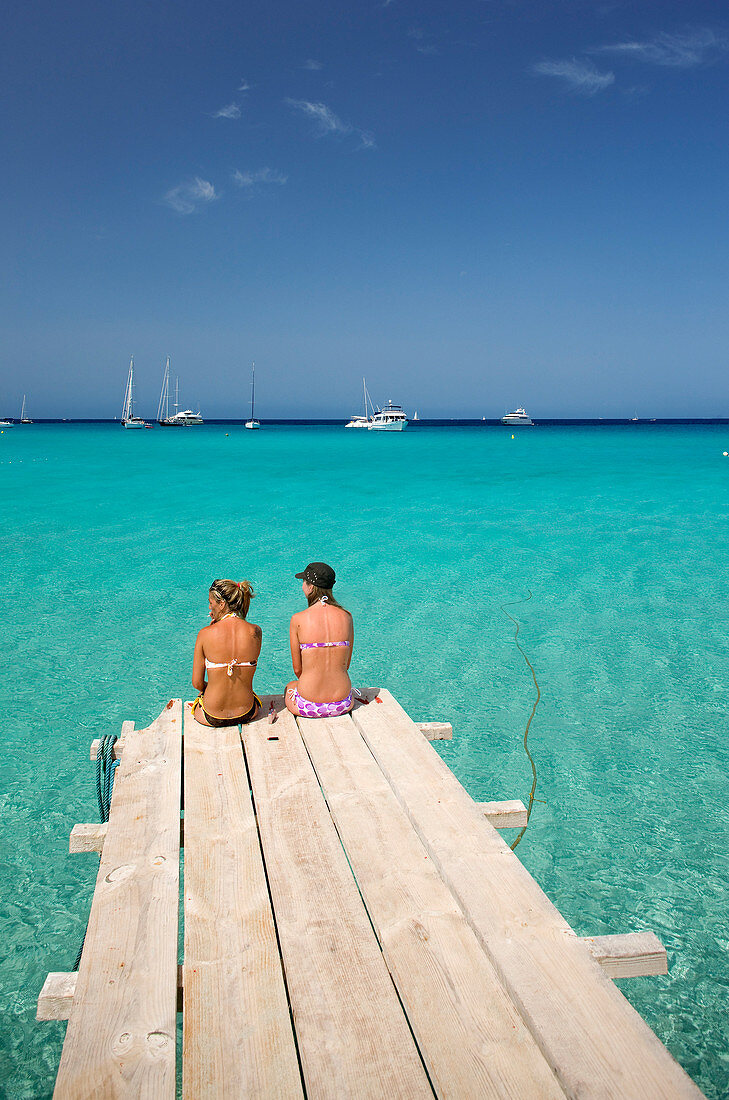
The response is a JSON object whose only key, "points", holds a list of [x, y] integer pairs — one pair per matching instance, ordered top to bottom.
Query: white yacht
{"points": [[23, 418], [128, 419], [178, 419], [184, 419], [390, 419], [516, 419], [363, 421], [7, 423], [253, 424]]}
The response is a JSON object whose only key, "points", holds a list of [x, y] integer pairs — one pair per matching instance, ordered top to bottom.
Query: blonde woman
{"points": [[322, 638], [227, 651]]}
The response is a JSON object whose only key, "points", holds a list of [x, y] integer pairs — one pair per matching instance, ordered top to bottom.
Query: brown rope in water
{"points": [[534, 708]]}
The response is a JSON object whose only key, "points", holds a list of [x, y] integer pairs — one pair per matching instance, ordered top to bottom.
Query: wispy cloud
{"points": [[422, 42], [677, 51], [312, 65], [580, 76], [231, 111], [324, 119], [326, 122], [261, 175], [188, 196]]}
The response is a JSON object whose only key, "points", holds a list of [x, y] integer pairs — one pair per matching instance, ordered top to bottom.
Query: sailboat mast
{"points": [[253, 387], [367, 401], [127, 407], [163, 409]]}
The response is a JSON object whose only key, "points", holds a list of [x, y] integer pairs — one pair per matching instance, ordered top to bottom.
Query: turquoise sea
{"points": [[110, 540]]}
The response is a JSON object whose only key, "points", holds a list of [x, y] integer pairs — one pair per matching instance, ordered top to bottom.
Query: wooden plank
{"points": [[436, 731], [118, 748], [505, 815], [88, 837], [630, 955], [56, 996], [237, 1035], [352, 1035], [471, 1038], [120, 1040], [594, 1040]]}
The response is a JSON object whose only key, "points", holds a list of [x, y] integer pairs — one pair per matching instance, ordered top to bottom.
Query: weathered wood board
{"points": [[237, 1035], [353, 1038], [120, 1040]]}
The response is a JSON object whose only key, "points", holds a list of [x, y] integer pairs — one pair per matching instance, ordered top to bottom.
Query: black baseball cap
{"points": [[319, 574]]}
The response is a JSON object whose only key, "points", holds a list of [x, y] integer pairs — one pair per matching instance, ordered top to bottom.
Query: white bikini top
{"points": [[230, 665]]}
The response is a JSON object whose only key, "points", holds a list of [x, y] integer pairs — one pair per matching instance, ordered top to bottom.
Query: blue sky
{"points": [[476, 204]]}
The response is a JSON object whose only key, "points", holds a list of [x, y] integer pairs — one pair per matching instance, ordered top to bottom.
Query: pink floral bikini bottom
{"points": [[320, 710]]}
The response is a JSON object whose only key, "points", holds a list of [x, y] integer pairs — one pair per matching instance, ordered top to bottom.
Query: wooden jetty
{"points": [[354, 926]]}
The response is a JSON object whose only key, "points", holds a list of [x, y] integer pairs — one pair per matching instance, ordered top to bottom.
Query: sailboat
{"points": [[163, 408], [23, 418], [128, 419], [182, 419], [358, 421], [253, 423]]}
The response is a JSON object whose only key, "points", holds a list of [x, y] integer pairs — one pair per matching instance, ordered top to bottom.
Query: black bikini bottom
{"points": [[241, 720]]}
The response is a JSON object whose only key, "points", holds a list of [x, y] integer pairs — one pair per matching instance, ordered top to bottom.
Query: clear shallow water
{"points": [[110, 540]]}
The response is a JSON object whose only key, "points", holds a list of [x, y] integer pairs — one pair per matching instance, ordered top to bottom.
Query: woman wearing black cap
{"points": [[322, 638]]}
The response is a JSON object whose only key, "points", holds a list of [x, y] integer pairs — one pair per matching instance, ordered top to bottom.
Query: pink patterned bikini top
{"points": [[320, 645]]}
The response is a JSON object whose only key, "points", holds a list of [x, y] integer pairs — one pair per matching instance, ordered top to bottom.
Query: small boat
{"points": [[416, 417], [23, 418], [128, 419], [184, 419], [390, 419], [516, 419], [363, 421], [7, 423], [253, 424]]}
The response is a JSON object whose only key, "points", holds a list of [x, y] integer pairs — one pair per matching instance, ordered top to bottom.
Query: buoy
{"points": [[512, 437], [725, 453]]}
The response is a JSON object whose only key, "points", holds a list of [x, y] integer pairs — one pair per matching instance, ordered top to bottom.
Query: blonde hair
{"points": [[236, 594], [324, 594]]}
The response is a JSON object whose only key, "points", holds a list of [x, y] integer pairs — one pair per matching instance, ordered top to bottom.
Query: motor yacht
{"points": [[519, 418], [390, 419]]}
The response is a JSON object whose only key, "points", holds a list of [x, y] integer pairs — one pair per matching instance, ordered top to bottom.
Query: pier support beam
{"points": [[127, 728], [436, 731], [505, 815], [88, 837], [632, 955], [56, 996]]}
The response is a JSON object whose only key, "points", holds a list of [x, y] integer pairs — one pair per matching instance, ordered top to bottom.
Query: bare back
{"points": [[234, 644], [323, 670]]}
